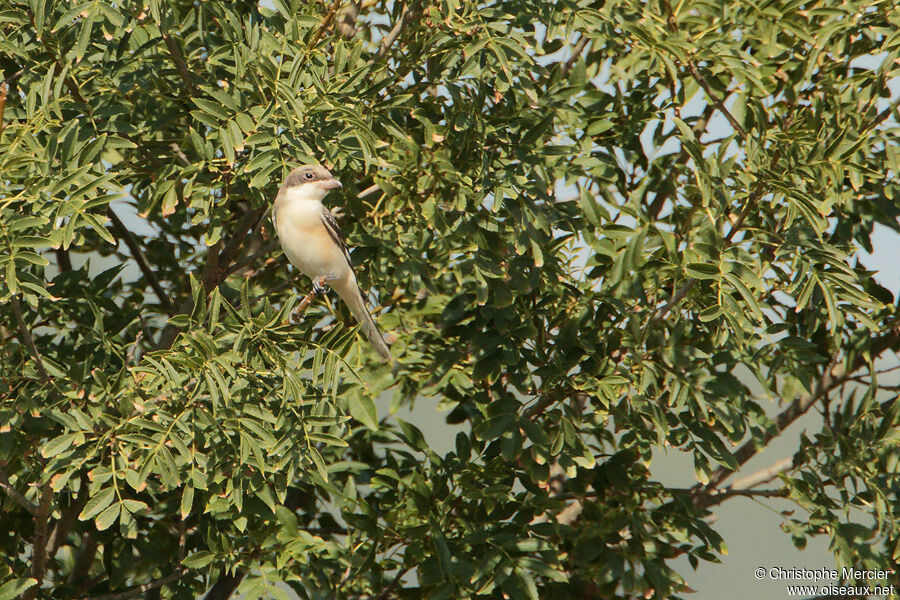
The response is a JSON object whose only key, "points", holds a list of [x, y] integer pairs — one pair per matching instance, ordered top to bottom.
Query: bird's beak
{"points": [[331, 184]]}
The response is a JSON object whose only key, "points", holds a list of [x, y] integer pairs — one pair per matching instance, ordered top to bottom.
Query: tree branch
{"points": [[329, 17], [394, 33], [579, 47], [178, 58], [698, 76], [4, 89], [368, 191], [736, 226], [126, 236], [218, 263], [318, 282], [26, 336], [832, 378], [741, 487], [21, 500], [67, 519], [39, 544], [84, 558], [225, 586], [137, 591]]}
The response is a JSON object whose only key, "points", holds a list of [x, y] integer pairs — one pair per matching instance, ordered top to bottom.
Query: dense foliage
{"points": [[592, 229]]}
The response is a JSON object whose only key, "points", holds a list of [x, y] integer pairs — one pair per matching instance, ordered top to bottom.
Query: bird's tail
{"points": [[357, 305]]}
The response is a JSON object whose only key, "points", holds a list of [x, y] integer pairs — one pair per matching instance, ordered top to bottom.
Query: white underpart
{"points": [[303, 236]]}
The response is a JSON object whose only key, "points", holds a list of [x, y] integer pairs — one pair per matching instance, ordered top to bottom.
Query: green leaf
{"points": [[702, 270], [363, 410], [58, 445], [187, 501], [97, 504], [108, 517], [198, 560], [14, 588]]}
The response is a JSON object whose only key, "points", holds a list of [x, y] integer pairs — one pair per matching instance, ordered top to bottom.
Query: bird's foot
{"points": [[319, 283]]}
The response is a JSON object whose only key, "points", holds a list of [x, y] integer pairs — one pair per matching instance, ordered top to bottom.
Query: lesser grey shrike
{"points": [[312, 241]]}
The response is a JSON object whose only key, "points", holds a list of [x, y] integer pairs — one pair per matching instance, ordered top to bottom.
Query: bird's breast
{"points": [[305, 240]]}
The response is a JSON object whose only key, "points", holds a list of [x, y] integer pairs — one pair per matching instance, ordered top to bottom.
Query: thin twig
{"points": [[329, 17], [394, 33], [579, 47], [698, 76], [4, 88], [882, 116], [180, 154], [368, 191], [125, 234], [307, 300], [26, 336], [742, 486], [21, 500], [137, 591]]}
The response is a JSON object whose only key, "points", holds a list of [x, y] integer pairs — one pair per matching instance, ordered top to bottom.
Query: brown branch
{"points": [[329, 17], [394, 33], [579, 47], [178, 58], [698, 76], [4, 88], [882, 116], [180, 154], [683, 156], [368, 191], [252, 219], [736, 226], [130, 240], [63, 262], [216, 270], [318, 282], [677, 297], [26, 336], [742, 486], [21, 500], [64, 524], [39, 544], [84, 558], [225, 586], [137, 591], [386, 593]]}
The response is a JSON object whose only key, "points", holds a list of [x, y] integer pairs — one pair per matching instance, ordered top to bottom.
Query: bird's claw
{"points": [[319, 285]]}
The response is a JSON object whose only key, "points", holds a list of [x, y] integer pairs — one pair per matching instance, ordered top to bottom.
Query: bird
{"points": [[313, 242]]}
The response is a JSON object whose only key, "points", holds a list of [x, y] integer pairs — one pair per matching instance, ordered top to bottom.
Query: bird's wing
{"points": [[334, 232]]}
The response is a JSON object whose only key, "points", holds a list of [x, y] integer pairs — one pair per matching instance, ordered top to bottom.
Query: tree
{"points": [[590, 227]]}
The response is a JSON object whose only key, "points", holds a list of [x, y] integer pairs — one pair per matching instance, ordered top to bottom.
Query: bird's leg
{"points": [[319, 283], [319, 288]]}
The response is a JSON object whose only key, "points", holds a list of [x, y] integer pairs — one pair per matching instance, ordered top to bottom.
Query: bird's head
{"points": [[311, 181]]}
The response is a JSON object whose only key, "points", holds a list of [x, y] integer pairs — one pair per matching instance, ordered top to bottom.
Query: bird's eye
{"points": [[308, 175]]}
